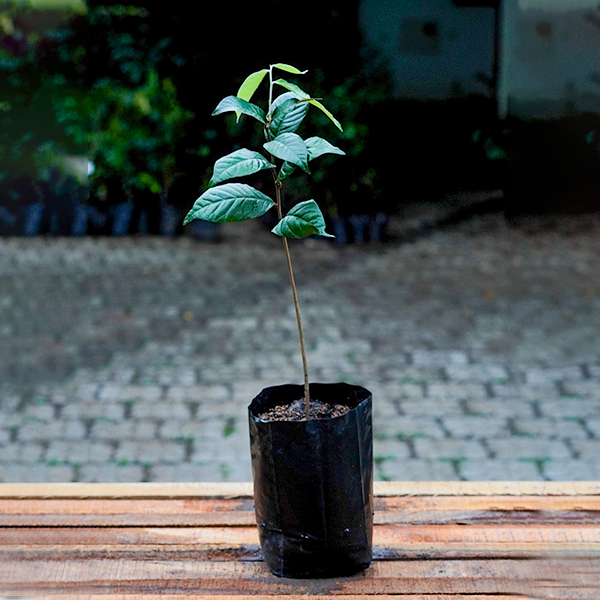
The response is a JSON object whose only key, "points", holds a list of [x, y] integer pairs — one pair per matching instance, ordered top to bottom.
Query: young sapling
{"points": [[287, 151]]}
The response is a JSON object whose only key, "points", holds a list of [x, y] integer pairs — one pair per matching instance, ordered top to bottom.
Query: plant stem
{"points": [[270, 87], [278, 186], [296, 305]]}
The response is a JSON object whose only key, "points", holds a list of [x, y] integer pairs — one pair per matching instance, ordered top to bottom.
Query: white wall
{"points": [[466, 45], [545, 75]]}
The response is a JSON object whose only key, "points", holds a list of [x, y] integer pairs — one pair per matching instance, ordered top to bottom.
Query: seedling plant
{"points": [[287, 151]]}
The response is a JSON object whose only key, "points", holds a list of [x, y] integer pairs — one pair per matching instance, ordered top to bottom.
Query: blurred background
{"points": [[462, 286]]}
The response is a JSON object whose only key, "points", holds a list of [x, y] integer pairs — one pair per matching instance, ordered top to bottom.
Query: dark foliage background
{"points": [[132, 87]]}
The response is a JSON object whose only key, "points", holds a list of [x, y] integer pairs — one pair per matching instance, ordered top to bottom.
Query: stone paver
{"points": [[135, 359], [450, 449], [528, 449], [69, 452], [392, 469], [500, 470], [575, 470], [118, 473]]}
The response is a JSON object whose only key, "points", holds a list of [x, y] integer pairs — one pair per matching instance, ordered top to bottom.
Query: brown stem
{"points": [[278, 186], [286, 247]]}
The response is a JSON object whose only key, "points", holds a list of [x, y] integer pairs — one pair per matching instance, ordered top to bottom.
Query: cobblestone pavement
{"points": [[135, 359]]}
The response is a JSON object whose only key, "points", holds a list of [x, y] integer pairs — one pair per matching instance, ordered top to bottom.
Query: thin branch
{"points": [[278, 186], [296, 307]]}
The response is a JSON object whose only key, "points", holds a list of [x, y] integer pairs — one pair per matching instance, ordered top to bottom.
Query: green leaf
{"points": [[289, 69], [251, 84], [292, 87], [302, 94], [281, 99], [235, 104], [288, 113], [331, 117], [317, 146], [290, 147], [238, 164], [287, 168], [146, 180], [229, 203], [303, 220]]}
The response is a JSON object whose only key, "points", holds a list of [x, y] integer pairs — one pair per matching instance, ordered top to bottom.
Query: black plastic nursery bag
{"points": [[313, 483]]}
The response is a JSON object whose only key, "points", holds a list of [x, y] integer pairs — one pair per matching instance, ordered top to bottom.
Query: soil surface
{"points": [[296, 411]]}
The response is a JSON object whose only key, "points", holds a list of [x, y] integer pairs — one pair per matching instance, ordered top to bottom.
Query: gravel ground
{"points": [[134, 359]]}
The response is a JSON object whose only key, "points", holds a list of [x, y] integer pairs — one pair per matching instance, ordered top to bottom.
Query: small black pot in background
{"points": [[313, 483]]}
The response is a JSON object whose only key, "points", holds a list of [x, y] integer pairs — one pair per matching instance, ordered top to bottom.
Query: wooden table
{"points": [[436, 541]]}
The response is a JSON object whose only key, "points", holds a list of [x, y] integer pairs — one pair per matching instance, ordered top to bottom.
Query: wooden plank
{"points": [[487, 488], [244, 489], [126, 490], [488, 503], [196, 505], [127, 506], [139, 512], [240, 512], [224, 519], [247, 519], [389, 536], [432, 539], [252, 552], [416, 577], [193, 596], [325, 596]]}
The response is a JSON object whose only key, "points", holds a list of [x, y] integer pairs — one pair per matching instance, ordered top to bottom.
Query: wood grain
{"points": [[244, 489], [240, 512], [389, 536], [437, 540], [227, 577], [325, 596]]}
